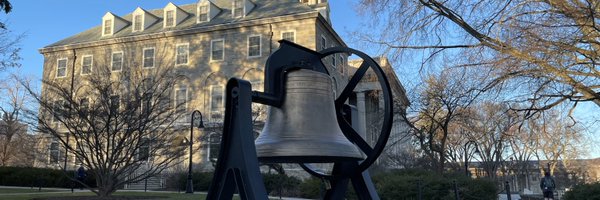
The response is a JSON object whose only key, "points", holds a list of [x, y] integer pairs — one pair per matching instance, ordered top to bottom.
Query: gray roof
{"points": [[263, 9]]}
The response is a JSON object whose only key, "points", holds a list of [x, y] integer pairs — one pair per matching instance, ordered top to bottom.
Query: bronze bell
{"points": [[305, 128]]}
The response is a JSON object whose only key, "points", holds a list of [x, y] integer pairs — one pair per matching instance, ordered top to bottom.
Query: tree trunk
{"points": [[106, 186]]}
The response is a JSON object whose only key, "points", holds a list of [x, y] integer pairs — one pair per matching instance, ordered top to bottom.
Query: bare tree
{"points": [[9, 48], [547, 50], [442, 102], [121, 127], [493, 127], [557, 140], [15, 142]]}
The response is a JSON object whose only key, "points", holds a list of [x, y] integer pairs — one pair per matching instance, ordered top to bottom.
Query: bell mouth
{"points": [[306, 151], [306, 159]]}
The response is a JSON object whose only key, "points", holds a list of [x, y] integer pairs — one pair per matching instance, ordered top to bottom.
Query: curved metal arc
{"points": [[349, 132]]}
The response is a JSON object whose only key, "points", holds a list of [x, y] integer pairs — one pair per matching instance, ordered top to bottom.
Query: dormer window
{"points": [[238, 8], [241, 8], [206, 11], [203, 13], [173, 15], [169, 18], [142, 19], [137, 23], [112, 24], [108, 27]]}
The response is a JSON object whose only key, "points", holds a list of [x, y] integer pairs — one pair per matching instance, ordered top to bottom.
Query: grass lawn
{"points": [[21, 190], [182, 196]]}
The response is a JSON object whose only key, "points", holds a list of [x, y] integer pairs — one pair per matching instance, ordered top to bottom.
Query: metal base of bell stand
{"points": [[238, 163], [362, 183]]}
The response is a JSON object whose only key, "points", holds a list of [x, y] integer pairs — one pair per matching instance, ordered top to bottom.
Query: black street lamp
{"points": [[466, 155], [190, 186]]}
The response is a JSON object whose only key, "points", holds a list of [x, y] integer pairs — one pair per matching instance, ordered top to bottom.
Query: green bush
{"points": [[34, 177], [201, 180], [404, 184], [281, 185], [311, 188], [584, 191]]}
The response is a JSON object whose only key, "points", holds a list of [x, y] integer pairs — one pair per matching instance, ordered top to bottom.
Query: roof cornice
{"points": [[103, 42]]}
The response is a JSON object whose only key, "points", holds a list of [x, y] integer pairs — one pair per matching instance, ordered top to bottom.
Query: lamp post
{"points": [[466, 155], [190, 186]]}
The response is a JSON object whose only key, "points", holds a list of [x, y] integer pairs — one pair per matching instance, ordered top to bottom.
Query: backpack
{"points": [[549, 183]]}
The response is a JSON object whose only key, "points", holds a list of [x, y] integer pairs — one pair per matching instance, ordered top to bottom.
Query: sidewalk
{"points": [[68, 190]]}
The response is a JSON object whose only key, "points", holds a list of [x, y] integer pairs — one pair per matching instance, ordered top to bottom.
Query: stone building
{"points": [[207, 42]]}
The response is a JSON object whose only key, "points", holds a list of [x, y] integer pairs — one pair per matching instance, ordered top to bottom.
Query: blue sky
{"points": [[45, 22]]}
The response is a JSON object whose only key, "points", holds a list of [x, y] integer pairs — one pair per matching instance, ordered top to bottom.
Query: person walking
{"points": [[81, 176], [547, 185]]}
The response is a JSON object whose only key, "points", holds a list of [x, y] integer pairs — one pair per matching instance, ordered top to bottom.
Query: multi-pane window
{"points": [[238, 8], [203, 13], [169, 18], [137, 23], [107, 27], [289, 36], [323, 42], [253, 46], [216, 49], [182, 54], [149, 57], [117, 61], [333, 61], [342, 64], [86, 65], [61, 68], [181, 99], [216, 101], [115, 103], [146, 104], [84, 106], [57, 111], [213, 147], [82, 148], [144, 150], [54, 152]]}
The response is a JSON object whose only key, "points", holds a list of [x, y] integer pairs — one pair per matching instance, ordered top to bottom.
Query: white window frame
{"points": [[233, 9], [205, 14], [141, 23], [166, 25], [111, 26], [289, 31], [212, 42], [323, 42], [259, 46], [112, 55], [187, 56], [144, 57], [334, 62], [91, 64], [342, 64], [66, 67], [177, 89], [222, 103], [56, 105], [118, 105], [149, 145], [57, 150]]}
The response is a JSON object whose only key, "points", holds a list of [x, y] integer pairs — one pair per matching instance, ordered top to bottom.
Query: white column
{"points": [[362, 118]]}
